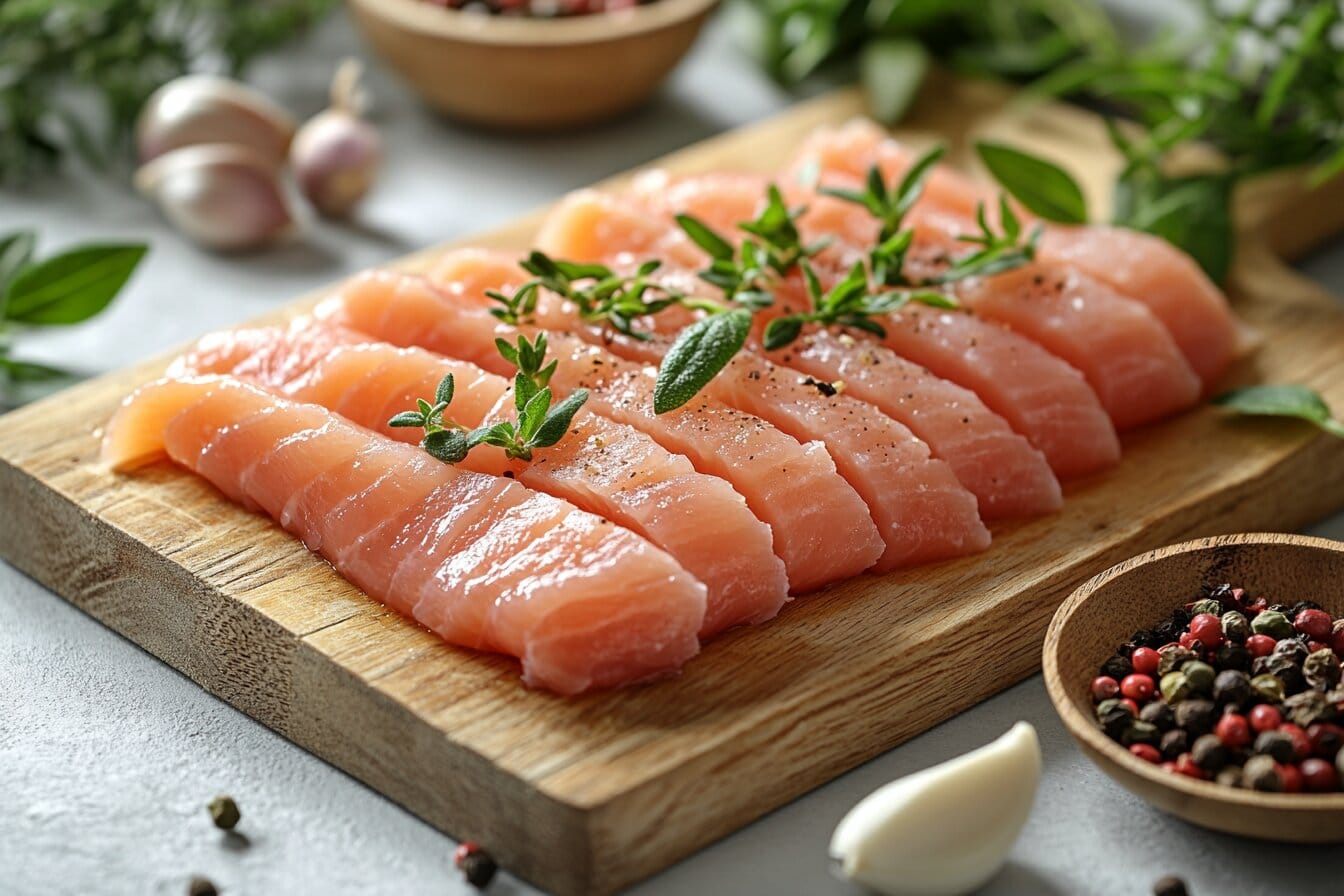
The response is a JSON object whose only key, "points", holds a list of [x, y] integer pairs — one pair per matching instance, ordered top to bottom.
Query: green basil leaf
{"points": [[891, 71], [1041, 186], [704, 236], [16, 249], [71, 287], [781, 331], [700, 352], [1282, 401], [407, 419], [557, 421], [448, 445]]}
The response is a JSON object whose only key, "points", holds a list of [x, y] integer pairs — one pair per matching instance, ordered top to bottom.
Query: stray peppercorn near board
{"points": [[587, 795]]}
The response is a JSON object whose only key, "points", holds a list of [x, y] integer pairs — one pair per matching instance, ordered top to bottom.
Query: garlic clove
{"points": [[205, 109], [336, 154], [224, 197], [945, 830]]}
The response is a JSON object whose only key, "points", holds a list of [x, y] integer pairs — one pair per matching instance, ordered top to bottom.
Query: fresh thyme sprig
{"points": [[890, 206], [998, 252], [539, 425]]}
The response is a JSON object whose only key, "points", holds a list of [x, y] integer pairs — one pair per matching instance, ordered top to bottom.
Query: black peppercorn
{"points": [[1225, 594], [1304, 605], [1281, 608], [1236, 627], [1168, 631], [1147, 638], [1292, 648], [1232, 656], [1172, 660], [1117, 667], [1284, 668], [1321, 670], [1232, 688], [1308, 708], [1158, 714], [1196, 716], [1115, 721], [1141, 732], [1173, 744], [1277, 745], [1209, 753], [1262, 773], [224, 812], [479, 869], [201, 886], [1170, 886]]}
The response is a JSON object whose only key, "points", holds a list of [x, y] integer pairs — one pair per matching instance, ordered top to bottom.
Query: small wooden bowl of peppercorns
{"points": [[532, 64], [1205, 677]]}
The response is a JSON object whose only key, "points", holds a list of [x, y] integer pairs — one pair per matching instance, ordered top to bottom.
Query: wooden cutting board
{"points": [[584, 796]]}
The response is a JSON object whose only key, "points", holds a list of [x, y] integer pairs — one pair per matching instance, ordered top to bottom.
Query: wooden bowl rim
{"points": [[452, 24], [1083, 729]]}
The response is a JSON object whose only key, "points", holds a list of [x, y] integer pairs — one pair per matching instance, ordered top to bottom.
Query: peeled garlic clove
{"points": [[203, 109], [336, 154], [224, 197], [946, 830]]}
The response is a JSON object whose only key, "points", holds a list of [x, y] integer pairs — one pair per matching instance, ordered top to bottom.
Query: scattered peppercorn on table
{"points": [[103, 745]]}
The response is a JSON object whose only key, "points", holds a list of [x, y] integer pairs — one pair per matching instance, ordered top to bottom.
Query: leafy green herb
{"points": [[892, 70], [73, 76], [1043, 188], [887, 205], [998, 252], [700, 351], [1282, 401], [539, 425]]}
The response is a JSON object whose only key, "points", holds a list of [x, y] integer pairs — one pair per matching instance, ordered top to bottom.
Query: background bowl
{"points": [[531, 74], [1141, 592]]}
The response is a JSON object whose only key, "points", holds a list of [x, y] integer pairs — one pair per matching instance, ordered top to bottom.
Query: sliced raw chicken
{"points": [[601, 466], [823, 539], [583, 603]]}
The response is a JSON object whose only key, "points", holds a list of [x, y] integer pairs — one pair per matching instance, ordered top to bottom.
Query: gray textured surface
{"points": [[107, 756]]}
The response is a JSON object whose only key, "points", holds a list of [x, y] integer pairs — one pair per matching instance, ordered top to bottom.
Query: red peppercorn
{"points": [[1259, 604], [1316, 624], [1208, 628], [1190, 642], [1260, 645], [1167, 646], [1314, 646], [1145, 660], [1137, 687], [1104, 688], [1131, 706], [1265, 718], [1233, 730], [1326, 738], [1301, 742], [1146, 752], [1185, 765], [1168, 766], [1318, 776], [1292, 778], [464, 849]]}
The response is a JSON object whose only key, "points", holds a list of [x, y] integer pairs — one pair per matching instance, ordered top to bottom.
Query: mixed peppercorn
{"points": [[1232, 689]]}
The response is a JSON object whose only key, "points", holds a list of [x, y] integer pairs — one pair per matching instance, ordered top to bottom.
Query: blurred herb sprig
{"points": [[73, 76]]}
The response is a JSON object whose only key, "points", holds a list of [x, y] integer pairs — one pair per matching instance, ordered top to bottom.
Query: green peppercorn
{"points": [[1207, 605], [1272, 623], [1236, 627], [1232, 656], [1173, 659], [1321, 670], [1199, 675], [1175, 687], [1232, 688], [1268, 688], [1107, 705], [1308, 708], [1159, 714], [1196, 716], [1116, 721], [1141, 732], [1173, 744], [1275, 744], [1209, 753], [1262, 773], [1229, 776], [224, 812]]}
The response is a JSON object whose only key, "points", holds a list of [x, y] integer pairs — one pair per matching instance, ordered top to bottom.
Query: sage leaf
{"points": [[891, 71], [1041, 186], [71, 287], [700, 352], [523, 390], [1282, 401]]}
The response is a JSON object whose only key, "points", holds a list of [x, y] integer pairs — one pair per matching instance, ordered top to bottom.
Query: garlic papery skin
{"points": [[196, 110], [336, 154], [227, 198], [948, 829]]}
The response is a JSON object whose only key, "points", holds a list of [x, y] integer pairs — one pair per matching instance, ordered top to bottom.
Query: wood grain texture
{"points": [[1136, 594], [588, 795]]}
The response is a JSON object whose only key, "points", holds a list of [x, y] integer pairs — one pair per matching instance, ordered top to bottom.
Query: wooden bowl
{"points": [[531, 74], [1141, 592]]}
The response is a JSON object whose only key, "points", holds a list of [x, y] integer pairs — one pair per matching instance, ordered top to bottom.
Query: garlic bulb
{"points": [[202, 109], [336, 154], [224, 197], [946, 830]]}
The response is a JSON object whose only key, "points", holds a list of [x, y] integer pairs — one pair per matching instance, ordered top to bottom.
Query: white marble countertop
{"points": [[107, 756]]}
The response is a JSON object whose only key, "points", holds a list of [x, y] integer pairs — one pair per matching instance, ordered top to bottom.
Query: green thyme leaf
{"points": [[1041, 186], [704, 236], [70, 287], [781, 331], [699, 353], [523, 390], [443, 395], [1282, 401], [407, 419], [558, 419], [448, 445]]}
